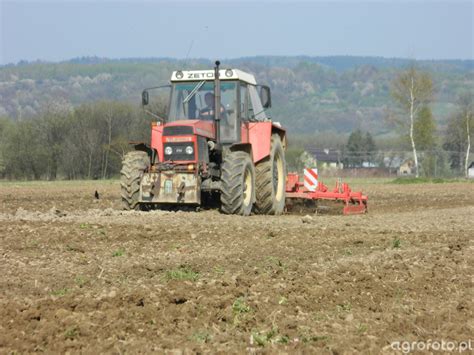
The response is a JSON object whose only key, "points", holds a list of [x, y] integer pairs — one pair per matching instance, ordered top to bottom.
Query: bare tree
{"points": [[412, 90], [466, 105], [108, 117], [53, 126]]}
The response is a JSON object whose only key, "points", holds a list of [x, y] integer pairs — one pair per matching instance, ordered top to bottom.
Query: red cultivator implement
{"points": [[313, 193]]}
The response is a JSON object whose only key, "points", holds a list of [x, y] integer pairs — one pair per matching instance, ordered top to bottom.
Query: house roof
{"points": [[325, 155], [408, 162]]}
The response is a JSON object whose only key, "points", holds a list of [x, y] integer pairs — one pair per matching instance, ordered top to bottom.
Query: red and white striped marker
{"points": [[311, 179]]}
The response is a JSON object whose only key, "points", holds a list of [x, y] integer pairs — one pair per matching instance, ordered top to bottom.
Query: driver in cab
{"points": [[207, 113]]}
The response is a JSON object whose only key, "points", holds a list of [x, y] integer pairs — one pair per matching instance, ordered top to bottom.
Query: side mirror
{"points": [[265, 96], [145, 98]]}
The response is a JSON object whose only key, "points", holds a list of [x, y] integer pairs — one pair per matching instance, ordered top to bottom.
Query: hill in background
{"points": [[310, 94]]}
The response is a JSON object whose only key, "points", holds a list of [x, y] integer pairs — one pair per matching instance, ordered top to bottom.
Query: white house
{"points": [[407, 168], [470, 171]]}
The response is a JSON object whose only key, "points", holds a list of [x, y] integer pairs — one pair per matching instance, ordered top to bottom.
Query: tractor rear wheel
{"points": [[134, 166], [271, 180], [237, 184]]}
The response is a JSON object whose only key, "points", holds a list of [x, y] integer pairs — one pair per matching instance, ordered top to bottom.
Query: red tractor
{"points": [[217, 146]]}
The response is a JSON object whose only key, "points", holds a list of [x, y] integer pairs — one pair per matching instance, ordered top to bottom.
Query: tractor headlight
{"points": [[189, 150], [168, 151]]}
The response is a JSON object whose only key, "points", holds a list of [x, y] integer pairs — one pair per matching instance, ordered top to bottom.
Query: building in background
{"points": [[326, 158], [407, 168], [470, 170]]}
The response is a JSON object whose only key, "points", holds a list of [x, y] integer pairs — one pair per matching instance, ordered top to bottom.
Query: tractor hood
{"points": [[188, 127]]}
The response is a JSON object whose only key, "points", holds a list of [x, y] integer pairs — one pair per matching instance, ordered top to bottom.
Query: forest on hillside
{"points": [[310, 94]]}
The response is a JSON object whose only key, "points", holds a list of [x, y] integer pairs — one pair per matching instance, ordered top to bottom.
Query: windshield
{"points": [[195, 100]]}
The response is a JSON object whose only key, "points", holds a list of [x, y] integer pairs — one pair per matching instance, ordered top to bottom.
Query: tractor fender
{"points": [[276, 128], [259, 137], [157, 140], [144, 147], [243, 147]]}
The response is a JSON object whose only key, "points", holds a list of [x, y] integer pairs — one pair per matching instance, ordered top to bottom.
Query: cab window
{"points": [[243, 102], [256, 110]]}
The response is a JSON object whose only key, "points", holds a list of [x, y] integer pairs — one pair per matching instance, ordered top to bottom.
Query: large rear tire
{"points": [[134, 166], [271, 180], [237, 184]]}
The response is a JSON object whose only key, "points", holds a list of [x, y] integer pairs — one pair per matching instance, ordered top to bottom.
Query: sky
{"points": [[56, 31]]}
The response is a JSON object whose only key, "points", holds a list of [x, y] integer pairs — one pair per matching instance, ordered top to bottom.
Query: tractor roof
{"points": [[224, 74]]}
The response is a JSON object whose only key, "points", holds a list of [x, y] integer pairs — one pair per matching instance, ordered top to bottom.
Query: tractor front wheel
{"points": [[134, 166], [271, 180], [237, 184]]}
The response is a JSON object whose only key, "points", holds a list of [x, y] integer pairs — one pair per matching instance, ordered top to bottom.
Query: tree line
{"points": [[413, 92], [88, 141], [85, 142]]}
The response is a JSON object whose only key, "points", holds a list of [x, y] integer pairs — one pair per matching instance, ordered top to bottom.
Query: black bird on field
{"points": [[96, 195]]}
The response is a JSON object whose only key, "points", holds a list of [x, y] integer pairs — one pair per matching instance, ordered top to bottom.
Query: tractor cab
{"points": [[241, 100]]}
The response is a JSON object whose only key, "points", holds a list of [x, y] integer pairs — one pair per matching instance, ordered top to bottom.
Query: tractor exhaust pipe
{"points": [[217, 104]]}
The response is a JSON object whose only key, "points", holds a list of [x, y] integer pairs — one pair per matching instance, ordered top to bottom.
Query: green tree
{"points": [[412, 90], [466, 108], [5, 126], [53, 128], [425, 129], [459, 132], [425, 139], [454, 141], [360, 148], [370, 148], [355, 149], [25, 154], [293, 161]]}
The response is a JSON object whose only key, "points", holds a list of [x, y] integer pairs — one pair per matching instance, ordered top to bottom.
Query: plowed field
{"points": [[79, 275]]}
